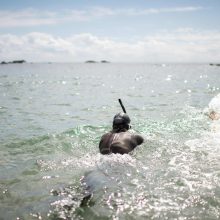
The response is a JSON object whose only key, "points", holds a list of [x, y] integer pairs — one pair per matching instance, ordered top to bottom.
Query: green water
{"points": [[53, 115]]}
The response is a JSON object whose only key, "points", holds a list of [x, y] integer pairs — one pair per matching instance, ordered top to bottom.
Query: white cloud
{"points": [[137, 12], [28, 17], [33, 17], [182, 45]]}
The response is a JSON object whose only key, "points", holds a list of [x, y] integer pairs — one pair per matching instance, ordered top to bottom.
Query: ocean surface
{"points": [[53, 115]]}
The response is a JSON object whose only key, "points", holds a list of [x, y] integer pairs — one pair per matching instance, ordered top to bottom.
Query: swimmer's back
{"points": [[122, 142]]}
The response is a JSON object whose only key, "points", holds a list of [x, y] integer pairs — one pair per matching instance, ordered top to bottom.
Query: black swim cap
{"points": [[121, 119]]}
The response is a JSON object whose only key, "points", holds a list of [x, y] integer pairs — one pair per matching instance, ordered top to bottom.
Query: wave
{"points": [[173, 174]]}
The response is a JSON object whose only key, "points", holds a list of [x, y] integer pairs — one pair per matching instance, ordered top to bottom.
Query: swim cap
{"points": [[121, 118]]}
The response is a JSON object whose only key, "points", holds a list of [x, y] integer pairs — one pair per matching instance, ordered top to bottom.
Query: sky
{"points": [[151, 31]]}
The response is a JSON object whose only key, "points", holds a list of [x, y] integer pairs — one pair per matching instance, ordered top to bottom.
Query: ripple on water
{"points": [[171, 176], [168, 178]]}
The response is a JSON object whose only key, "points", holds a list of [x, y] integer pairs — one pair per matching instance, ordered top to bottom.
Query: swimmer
{"points": [[214, 108], [214, 115], [120, 140]]}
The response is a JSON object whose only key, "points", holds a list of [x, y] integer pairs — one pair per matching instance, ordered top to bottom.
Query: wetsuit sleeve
{"points": [[139, 139], [104, 145]]}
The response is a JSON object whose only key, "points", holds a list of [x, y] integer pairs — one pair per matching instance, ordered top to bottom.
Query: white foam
{"points": [[214, 104]]}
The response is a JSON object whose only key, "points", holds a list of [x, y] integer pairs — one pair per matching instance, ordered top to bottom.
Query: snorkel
{"points": [[122, 106]]}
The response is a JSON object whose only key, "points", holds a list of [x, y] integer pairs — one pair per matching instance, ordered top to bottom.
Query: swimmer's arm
{"points": [[139, 139], [102, 140], [102, 144]]}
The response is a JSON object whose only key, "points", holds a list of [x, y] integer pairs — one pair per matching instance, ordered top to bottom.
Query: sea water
{"points": [[53, 115]]}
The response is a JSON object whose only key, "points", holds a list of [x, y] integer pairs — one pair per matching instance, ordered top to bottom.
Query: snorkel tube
{"points": [[122, 106], [125, 116]]}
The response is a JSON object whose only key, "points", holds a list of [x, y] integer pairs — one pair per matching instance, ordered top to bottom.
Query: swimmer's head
{"points": [[214, 108], [214, 115], [121, 121]]}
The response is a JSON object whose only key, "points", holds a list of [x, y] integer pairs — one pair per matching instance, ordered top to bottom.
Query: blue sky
{"points": [[119, 31]]}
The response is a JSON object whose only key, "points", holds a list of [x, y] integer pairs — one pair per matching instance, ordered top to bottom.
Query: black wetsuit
{"points": [[119, 142]]}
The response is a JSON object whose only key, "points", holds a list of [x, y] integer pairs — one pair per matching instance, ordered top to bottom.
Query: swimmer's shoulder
{"points": [[138, 138]]}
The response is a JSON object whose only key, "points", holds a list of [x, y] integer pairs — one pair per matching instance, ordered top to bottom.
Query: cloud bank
{"points": [[182, 45]]}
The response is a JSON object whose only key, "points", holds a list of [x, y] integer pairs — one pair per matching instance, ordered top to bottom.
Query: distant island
{"points": [[23, 61], [90, 61], [93, 61], [104, 61], [13, 62], [214, 64]]}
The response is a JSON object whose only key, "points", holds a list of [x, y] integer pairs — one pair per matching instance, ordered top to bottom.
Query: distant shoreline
{"points": [[93, 61], [13, 62], [108, 62]]}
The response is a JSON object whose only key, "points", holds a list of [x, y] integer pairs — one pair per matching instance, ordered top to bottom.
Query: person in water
{"points": [[214, 108], [214, 115], [120, 140]]}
